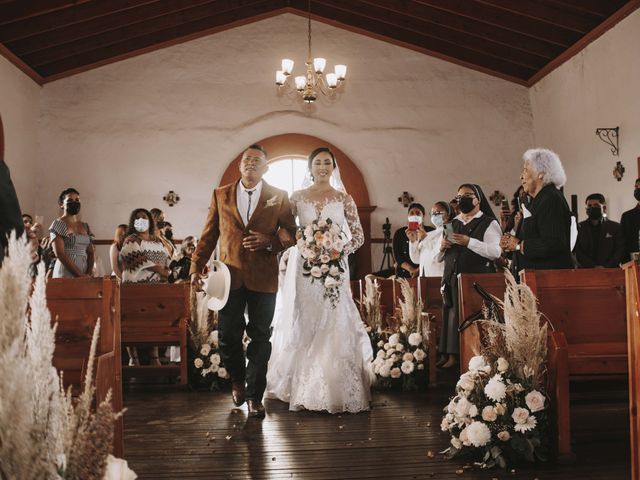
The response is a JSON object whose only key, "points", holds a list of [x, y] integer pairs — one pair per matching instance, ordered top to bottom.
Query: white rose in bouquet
{"points": [[308, 231], [327, 242], [324, 258], [324, 268], [334, 271], [316, 272], [330, 282], [213, 337], [394, 339], [415, 339], [380, 344], [386, 346], [400, 347], [205, 349], [380, 354], [420, 354], [407, 357], [215, 359], [390, 361], [198, 363], [477, 363], [503, 365], [420, 366], [407, 367], [214, 368], [385, 370], [222, 372], [395, 372], [466, 382], [495, 389], [535, 401], [451, 407], [462, 407], [473, 411], [489, 414], [520, 415], [530, 424], [478, 434], [504, 436], [464, 438], [456, 443]]}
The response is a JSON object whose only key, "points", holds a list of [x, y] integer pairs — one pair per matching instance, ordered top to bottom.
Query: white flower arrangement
{"points": [[321, 245]]}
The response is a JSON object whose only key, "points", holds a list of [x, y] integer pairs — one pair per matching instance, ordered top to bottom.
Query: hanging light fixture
{"points": [[315, 82]]}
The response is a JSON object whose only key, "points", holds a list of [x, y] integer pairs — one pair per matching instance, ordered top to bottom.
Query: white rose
{"points": [[308, 232], [327, 243], [324, 258], [324, 268], [334, 271], [316, 272], [330, 282], [213, 337], [394, 339], [415, 339], [380, 344], [386, 346], [400, 347], [205, 349], [380, 354], [420, 354], [407, 357], [215, 359], [390, 361], [198, 363], [477, 363], [503, 365], [420, 366], [407, 367], [214, 368], [385, 370], [222, 372], [395, 372], [466, 382], [495, 389], [535, 401], [451, 407], [462, 407], [473, 411], [489, 414], [520, 415], [529, 424], [478, 434], [504, 435], [464, 437], [456, 443], [118, 469]]}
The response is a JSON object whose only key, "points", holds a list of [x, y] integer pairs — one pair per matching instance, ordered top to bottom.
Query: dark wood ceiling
{"points": [[520, 40]]}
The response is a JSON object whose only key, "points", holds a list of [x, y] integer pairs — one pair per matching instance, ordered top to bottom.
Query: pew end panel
{"points": [[632, 282]]}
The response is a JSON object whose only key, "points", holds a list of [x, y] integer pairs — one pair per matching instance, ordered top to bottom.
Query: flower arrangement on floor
{"points": [[321, 245], [400, 353], [498, 416], [44, 433]]}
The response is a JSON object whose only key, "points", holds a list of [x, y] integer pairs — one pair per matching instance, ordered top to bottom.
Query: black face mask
{"points": [[636, 193], [466, 204], [73, 207], [594, 213], [168, 234]]}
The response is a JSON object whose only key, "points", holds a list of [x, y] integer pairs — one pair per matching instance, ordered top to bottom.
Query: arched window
{"points": [[286, 173]]}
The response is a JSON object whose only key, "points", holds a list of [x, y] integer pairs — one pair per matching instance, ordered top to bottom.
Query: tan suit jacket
{"points": [[257, 271]]}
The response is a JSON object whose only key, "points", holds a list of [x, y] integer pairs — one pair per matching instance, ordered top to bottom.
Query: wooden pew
{"points": [[632, 282], [76, 305], [587, 309], [155, 315]]}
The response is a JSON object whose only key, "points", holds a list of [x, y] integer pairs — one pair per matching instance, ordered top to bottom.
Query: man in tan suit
{"points": [[244, 219]]}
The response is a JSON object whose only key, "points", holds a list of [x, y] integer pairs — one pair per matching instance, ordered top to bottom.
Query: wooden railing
{"points": [[632, 281]]}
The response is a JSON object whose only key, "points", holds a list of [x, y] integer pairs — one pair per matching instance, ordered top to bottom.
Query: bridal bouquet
{"points": [[321, 245], [499, 413]]}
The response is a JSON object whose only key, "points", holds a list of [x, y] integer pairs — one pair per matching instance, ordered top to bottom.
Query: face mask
{"points": [[636, 193], [466, 204], [73, 207], [594, 213], [415, 218], [437, 220], [141, 225], [168, 234]]}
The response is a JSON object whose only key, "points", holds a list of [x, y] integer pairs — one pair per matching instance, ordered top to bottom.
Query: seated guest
{"points": [[158, 218], [630, 226], [34, 232], [71, 239], [543, 239], [600, 240], [424, 247], [472, 247], [116, 248], [144, 260], [180, 267], [405, 268]]}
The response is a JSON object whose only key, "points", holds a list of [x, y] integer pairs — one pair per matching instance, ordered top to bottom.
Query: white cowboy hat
{"points": [[217, 285]]}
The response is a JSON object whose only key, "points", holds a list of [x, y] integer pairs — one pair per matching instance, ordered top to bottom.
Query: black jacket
{"points": [[10, 214], [630, 225], [546, 234], [610, 248], [401, 250]]}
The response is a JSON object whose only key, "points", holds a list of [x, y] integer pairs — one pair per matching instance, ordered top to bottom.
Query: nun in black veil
{"points": [[472, 248]]}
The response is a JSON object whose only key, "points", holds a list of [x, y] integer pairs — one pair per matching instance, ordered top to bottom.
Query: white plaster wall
{"points": [[599, 87], [20, 110], [126, 133]]}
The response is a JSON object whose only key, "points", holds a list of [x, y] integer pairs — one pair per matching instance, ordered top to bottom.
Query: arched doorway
{"points": [[294, 146]]}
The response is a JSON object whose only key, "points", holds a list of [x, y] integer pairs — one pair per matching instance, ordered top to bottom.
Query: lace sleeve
{"points": [[353, 220]]}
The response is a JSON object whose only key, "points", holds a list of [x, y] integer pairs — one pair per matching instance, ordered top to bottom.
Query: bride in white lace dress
{"points": [[321, 357]]}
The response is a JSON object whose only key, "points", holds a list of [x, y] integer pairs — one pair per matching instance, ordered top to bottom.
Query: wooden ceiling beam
{"points": [[601, 8], [18, 10], [508, 20], [102, 24], [471, 27], [434, 31], [156, 39], [436, 47]]}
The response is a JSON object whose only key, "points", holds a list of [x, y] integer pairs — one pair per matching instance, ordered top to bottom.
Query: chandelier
{"points": [[314, 82]]}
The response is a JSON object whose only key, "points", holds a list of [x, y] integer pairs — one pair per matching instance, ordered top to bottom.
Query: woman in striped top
{"points": [[72, 239]]}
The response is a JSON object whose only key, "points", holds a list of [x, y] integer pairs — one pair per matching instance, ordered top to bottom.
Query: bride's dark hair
{"points": [[318, 151]]}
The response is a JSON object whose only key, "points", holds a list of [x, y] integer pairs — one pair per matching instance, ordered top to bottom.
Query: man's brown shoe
{"points": [[237, 393], [256, 409]]}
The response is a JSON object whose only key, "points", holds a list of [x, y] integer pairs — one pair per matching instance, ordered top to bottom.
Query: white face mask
{"points": [[415, 218], [437, 220], [141, 225]]}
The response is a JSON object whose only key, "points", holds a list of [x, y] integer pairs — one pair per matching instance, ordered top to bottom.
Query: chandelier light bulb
{"points": [[319, 64], [287, 66], [341, 72], [280, 77], [332, 80], [301, 82]]}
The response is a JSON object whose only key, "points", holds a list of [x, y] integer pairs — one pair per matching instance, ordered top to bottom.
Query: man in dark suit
{"points": [[10, 218], [630, 226], [600, 242]]}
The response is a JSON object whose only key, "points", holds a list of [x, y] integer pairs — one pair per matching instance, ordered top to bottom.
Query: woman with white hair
{"points": [[543, 239]]}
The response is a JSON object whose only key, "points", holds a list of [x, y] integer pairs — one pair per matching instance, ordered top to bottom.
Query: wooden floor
{"points": [[178, 434]]}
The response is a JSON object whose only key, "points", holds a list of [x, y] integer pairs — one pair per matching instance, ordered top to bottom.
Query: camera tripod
{"points": [[387, 246]]}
